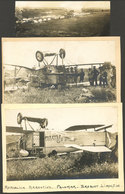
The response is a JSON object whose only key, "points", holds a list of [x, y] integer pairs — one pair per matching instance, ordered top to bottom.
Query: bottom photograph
{"points": [[62, 148]]}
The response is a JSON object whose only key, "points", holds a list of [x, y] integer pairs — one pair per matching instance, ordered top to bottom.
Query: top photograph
{"points": [[62, 18]]}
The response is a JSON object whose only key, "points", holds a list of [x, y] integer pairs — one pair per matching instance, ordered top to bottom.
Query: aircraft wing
{"points": [[85, 64], [20, 67], [82, 127], [13, 129], [89, 148]]}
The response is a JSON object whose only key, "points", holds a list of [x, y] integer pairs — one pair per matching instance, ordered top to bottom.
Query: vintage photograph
{"points": [[62, 18], [75, 70], [62, 142]]}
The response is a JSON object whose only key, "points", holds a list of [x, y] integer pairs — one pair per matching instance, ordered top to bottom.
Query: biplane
{"points": [[48, 72], [45, 142]]}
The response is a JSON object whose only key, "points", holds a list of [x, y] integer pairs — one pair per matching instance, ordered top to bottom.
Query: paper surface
{"points": [[64, 116]]}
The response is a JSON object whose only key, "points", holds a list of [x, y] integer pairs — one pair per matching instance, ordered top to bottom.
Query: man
{"points": [[82, 74], [71, 75], [75, 75], [95, 76], [100, 76], [90, 77], [105, 81]]}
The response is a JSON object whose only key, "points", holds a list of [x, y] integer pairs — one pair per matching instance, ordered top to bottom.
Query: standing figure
{"points": [[82, 74], [67, 75], [71, 75], [75, 75], [95, 76], [101, 76], [90, 77], [113, 77], [105, 82]]}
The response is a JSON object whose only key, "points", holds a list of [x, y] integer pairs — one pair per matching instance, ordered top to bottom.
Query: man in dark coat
{"points": [[82, 74], [75, 75], [95, 75], [90, 77], [105, 81]]}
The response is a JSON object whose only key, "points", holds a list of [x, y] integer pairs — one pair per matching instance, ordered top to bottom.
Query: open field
{"points": [[94, 24], [76, 94], [80, 165]]}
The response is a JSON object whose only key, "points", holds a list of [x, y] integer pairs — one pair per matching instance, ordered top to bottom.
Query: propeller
{"points": [[42, 121]]}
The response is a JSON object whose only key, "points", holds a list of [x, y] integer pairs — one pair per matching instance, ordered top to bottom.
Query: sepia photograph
{"points": [[62, 18], [75, 70], [62, 143]]}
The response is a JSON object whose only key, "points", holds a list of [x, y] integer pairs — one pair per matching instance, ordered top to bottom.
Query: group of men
{"points": [[75, 75], [95, 75]]}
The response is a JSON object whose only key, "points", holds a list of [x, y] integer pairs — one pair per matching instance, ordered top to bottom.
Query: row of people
{"points": [[93, 76]]}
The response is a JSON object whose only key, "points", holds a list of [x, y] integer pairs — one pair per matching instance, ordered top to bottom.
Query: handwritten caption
{"points": [[63, 187]]}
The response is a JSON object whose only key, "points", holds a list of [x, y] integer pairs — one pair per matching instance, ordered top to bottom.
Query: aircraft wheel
{"points": [[53, 153]]}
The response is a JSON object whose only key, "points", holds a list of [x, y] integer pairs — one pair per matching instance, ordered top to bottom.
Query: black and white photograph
{"points": [[62, 18], [75, 70], [62, 99], [63, 143]]}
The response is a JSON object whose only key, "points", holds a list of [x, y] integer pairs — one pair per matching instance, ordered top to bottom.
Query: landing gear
{"points": [[53, 153]]}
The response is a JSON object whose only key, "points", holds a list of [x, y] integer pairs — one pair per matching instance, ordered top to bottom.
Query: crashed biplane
{"points": [[49, 71], [43, 142]]}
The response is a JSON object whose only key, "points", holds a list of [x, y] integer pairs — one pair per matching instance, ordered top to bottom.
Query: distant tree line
{"points": [[93, 10]]}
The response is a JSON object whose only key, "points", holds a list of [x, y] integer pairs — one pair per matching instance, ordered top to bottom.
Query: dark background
{"points": [[7, 29]]}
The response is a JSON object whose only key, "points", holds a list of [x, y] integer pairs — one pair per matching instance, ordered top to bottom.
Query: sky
{"points": [[61, 4], [22, 51], [62, 117]]}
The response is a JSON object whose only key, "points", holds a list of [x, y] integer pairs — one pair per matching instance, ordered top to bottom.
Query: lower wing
{"points": [[89, 148]]}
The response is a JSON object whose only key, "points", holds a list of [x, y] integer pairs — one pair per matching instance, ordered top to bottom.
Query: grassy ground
{"points": [[95, 24], [68, 95], [73, 166]]}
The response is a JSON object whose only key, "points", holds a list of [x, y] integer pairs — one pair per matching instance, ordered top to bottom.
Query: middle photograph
{"points": [[61, 70]]}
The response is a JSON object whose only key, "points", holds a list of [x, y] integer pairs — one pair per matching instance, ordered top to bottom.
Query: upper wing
{"points": [[90, 64], [81, 127], [89, 148]]}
